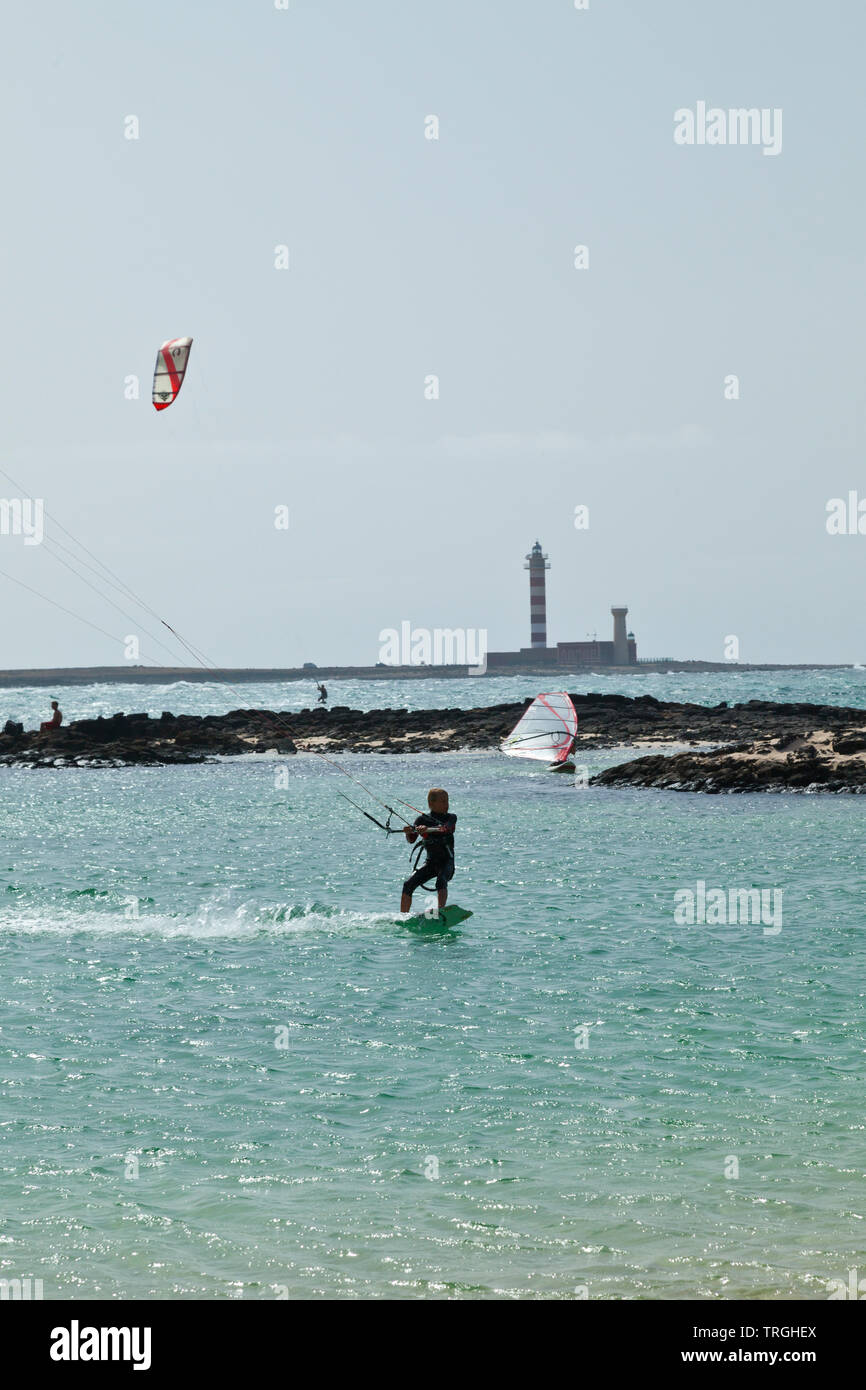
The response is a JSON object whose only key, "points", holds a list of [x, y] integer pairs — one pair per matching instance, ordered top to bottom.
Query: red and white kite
{"points": [[170, 370]]}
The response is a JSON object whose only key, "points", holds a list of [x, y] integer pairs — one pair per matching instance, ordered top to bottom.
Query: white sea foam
{"points": [[210, 923]]}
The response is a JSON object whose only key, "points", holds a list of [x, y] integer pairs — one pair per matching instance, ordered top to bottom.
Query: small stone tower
{"points": [[620, 639]]}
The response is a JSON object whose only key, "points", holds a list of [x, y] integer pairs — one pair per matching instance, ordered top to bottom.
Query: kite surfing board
{"points": [[447, 917]]}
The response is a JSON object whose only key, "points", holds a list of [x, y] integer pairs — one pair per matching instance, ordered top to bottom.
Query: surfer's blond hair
{"points": [[436, 794]]}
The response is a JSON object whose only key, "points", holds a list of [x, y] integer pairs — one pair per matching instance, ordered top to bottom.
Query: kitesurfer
{"points": [[323, 694], [55, 721], [436, 829]]}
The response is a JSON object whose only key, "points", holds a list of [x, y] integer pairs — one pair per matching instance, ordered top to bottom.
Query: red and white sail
{"points": [[170, 370], [545, 731]]}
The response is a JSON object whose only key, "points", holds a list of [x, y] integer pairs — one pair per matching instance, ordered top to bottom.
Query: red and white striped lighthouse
{"points": [[537, 563]]}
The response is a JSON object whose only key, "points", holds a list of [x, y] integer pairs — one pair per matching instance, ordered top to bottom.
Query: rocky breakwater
{"points": [[608, 720], [605, 721], [344, 730], [131, 739], [139, 739], [819, 761]]}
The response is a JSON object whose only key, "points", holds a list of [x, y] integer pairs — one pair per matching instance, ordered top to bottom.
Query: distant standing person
{"points": [[323, 694], [56, 718]]}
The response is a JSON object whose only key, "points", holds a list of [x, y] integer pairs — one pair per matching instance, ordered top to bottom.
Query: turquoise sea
{"points": [[226, 1072]]}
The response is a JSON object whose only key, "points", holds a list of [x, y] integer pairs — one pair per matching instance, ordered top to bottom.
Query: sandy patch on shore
{"points": [[438, 737], [822, 742], [304, 745], [652, 745]]}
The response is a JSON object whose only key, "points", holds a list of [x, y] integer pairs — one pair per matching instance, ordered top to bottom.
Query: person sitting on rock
{"points": [[55, 721], [437, 831]]}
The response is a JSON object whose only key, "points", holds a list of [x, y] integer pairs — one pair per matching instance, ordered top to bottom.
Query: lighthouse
{"points": [[537, 563]]}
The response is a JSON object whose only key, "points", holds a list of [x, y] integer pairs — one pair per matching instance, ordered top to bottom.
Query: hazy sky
{"points": [[409, 257]]}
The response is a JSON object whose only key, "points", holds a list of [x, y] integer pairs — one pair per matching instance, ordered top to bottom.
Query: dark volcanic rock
{"points": [[605, 721], [816, 762]]}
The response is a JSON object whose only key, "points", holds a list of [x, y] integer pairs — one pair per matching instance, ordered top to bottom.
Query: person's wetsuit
{"points": [[439, 863]]}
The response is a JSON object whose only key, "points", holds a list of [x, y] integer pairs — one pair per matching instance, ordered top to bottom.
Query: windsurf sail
{"points": [[170, 370], [545, 731]]}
